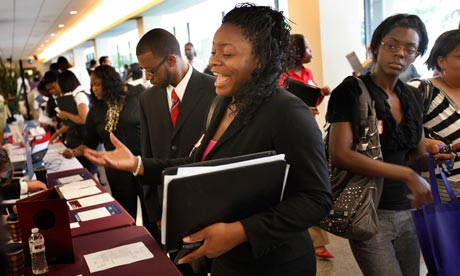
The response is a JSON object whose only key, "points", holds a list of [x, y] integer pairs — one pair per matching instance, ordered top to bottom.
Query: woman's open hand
{"points": [[120, 158]]}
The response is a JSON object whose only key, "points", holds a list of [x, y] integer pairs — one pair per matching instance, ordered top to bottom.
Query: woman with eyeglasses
{"points": [[395, 44]]}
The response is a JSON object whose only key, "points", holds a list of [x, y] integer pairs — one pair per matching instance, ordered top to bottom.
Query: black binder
{"points": [[307, 93], [67, 103], [195, 201]]}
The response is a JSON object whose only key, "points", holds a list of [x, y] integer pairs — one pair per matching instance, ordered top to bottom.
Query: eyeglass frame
{"points": [[399, 47], [156, 68]]}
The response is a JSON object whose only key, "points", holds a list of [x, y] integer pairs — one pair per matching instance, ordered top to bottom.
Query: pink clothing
{"points": [[209, 147]]}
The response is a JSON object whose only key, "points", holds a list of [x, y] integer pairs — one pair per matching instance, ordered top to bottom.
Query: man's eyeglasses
{"points": [[394, 47], [156, 68]]}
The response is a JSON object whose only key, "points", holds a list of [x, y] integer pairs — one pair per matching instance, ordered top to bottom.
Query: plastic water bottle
{"points": [[37, 252]]}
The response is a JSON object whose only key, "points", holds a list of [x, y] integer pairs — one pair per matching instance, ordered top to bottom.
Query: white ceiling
{"points": [[26, 24]]}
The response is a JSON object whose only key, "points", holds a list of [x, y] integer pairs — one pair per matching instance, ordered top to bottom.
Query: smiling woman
{"points": [[253, 115]]}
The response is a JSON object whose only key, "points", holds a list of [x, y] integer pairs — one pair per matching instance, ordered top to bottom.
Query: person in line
{"points": [[395, 44], [158, 52], [301, 53], [248, 57], [192, 58], [105, 60], [92, 66], [80, 72], [126, 72], [408, 74], [136, 76], [50, 81], [112, 110], [441, 117], [73, 125], [12, 188]]}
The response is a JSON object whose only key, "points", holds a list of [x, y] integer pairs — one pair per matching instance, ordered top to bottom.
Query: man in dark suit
{"points": [[158, 52], [12, 188]]}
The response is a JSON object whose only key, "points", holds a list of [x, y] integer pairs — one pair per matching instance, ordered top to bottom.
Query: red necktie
{"points": [[175, 105]]}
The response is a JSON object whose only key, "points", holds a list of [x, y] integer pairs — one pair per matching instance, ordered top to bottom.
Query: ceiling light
{"points": [[73, 12], [107, 14], [61, 25], [53, 34]]}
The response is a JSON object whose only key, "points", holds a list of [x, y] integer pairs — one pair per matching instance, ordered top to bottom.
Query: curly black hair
{"points": [[403, 20], [268, 31], [444, 44], [112, 84]]}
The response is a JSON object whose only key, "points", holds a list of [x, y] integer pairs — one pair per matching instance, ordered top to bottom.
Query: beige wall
{"points": [[305, 17], [334, 30]]}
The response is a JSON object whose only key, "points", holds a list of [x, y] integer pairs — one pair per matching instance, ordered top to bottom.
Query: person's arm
{"points": [[63, 129], [75, 152], [342, 156], [121, 158], [35, 186]]}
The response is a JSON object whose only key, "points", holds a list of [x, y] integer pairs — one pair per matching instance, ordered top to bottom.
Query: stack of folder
{"points": [[222, 190]]}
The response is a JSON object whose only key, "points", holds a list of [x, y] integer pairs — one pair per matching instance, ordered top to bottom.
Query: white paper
{"points": [[45, 119], [37, 131], [40, 147], [187, 171], [70, 179], [77, 185], [71, 194], [89, 201], [94, 214], [74, 225], [117, 256]]}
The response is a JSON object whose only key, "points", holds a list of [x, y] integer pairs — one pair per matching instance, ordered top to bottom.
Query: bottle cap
{"points": [[12, 217], [34, 230]]}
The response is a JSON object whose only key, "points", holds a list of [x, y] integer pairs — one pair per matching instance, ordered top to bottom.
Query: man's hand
{"points": [[35, 186]]}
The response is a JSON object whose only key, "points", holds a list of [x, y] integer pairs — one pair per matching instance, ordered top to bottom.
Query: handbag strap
{"points": [[365, 103], [368, 139], [449, 189]]}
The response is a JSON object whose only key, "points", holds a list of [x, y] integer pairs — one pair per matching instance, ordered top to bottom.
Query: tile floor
{"points": [[344, 264]]}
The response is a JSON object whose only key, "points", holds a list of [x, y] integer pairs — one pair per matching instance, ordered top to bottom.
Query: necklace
{"points": [[112, 115]]}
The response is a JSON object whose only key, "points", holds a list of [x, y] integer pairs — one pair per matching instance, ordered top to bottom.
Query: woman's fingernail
{"points": [[186, 239]]}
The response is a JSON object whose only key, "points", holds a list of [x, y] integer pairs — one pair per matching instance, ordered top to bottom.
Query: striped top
{"points": [[443, 117]]}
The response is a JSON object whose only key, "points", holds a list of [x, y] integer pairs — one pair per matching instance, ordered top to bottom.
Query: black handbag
{"points": [[356, 197]]}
